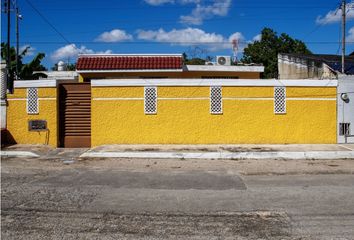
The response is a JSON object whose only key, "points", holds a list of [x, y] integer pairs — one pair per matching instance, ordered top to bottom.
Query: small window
{"points": [[150, 100], [215, 100], [279, 100], [32, 101], [344, 129]]}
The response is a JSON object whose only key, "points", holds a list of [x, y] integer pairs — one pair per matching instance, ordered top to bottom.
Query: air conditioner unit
{"points": [[223, 60], [209, 63]]}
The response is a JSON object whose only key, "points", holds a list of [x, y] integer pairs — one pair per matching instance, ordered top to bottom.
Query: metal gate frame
{"points": [[86, 140]]}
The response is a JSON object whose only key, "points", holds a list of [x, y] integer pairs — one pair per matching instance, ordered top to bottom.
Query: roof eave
{"points": [[131, 55], [222, 68], [130, 71]]}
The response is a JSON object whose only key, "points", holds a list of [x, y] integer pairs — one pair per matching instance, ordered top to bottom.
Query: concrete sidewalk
{"points": [[234, 152]]}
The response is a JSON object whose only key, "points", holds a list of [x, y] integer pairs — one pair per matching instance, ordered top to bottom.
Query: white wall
{"points": [[290, 67], [345, 110]]}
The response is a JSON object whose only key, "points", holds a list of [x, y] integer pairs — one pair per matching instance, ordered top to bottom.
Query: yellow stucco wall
{"points": [[183, 116], [17, 117], [184, 120]]}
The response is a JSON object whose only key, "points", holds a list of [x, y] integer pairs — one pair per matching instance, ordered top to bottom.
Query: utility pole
{"points": [[8, 11], [18, 17], [343, 34]]}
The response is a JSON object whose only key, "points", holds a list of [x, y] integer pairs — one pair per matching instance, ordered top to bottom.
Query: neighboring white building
{"points": [[314, 66], [60, 74], [345, 109]]}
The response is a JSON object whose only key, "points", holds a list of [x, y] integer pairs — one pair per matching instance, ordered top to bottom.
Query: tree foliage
{"points": [[266, 50], [195, 60], [71, 67], [25, 69]]}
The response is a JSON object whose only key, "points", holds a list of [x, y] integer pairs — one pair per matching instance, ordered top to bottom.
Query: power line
{"points": [[142, 7], [177, 7], [8, 9], [48, 22], [158, 24], [321, 25], [169, 42]]}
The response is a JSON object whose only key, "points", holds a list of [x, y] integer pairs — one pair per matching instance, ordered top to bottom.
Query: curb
{"points": [[18, 154], [226, 155]]}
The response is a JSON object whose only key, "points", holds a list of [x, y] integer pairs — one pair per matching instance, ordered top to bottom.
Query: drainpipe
{"points": [[3, 94]]}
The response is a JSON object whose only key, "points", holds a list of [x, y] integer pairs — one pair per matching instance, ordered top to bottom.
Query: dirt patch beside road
{"points": [[245, 167], [74, 225]]}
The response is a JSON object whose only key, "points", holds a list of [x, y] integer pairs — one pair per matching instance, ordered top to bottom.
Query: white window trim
{"points": [[213, 82], [27, 103], [221, 107], [277, 112], [150, 113]]}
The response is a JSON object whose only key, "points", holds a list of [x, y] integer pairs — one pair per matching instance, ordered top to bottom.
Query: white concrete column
{"points": [[3, 89], [345, 109]]}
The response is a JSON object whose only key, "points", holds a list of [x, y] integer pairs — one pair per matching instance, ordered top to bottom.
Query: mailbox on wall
{"points": [[37, 125]]}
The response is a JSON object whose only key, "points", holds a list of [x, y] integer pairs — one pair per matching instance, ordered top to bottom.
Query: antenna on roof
{"points": [[234, 43]]}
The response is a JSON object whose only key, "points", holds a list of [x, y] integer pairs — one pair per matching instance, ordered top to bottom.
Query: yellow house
{"points": [[148, 108]]}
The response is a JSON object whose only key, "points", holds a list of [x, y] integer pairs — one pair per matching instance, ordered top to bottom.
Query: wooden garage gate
{"points": [[75, 115]]}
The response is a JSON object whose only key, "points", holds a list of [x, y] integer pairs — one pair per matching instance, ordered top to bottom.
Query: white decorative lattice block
{"points": [[150, 100], [215, 100], [279, 100], [32, 101]]}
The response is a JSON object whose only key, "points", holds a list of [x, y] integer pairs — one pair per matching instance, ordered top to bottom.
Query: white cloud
{"points": [[189, 1], [158, 2], [162, 2], [203, 9], [201, 12], [336, 15], [116, 35], [191, 36], [184, 37], [350, 37], [257, 38], [30, 50], [71, 51]]}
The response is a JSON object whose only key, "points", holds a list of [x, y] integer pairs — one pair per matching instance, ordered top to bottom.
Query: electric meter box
{"points": [[37, 125]]}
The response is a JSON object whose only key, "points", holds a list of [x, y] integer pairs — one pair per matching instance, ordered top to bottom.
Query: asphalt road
{"points": [[85, 201]]}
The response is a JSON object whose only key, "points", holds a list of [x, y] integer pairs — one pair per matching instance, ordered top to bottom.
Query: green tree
{"points": [[266, 50], [192, 61], [71, 67], [25, 70]]}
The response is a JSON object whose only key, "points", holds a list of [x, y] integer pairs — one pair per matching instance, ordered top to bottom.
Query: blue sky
{"points": [[173, 26]]}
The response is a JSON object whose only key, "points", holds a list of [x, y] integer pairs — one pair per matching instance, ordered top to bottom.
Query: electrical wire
{"points": [[142, 7], [48, 22], [319, 25], [169, 42]]}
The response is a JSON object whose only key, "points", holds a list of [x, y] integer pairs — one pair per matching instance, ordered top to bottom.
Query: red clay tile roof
{"points": [[135, 62]]}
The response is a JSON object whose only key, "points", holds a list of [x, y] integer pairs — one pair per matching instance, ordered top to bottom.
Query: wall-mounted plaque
{"points": [[37, 125]]}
